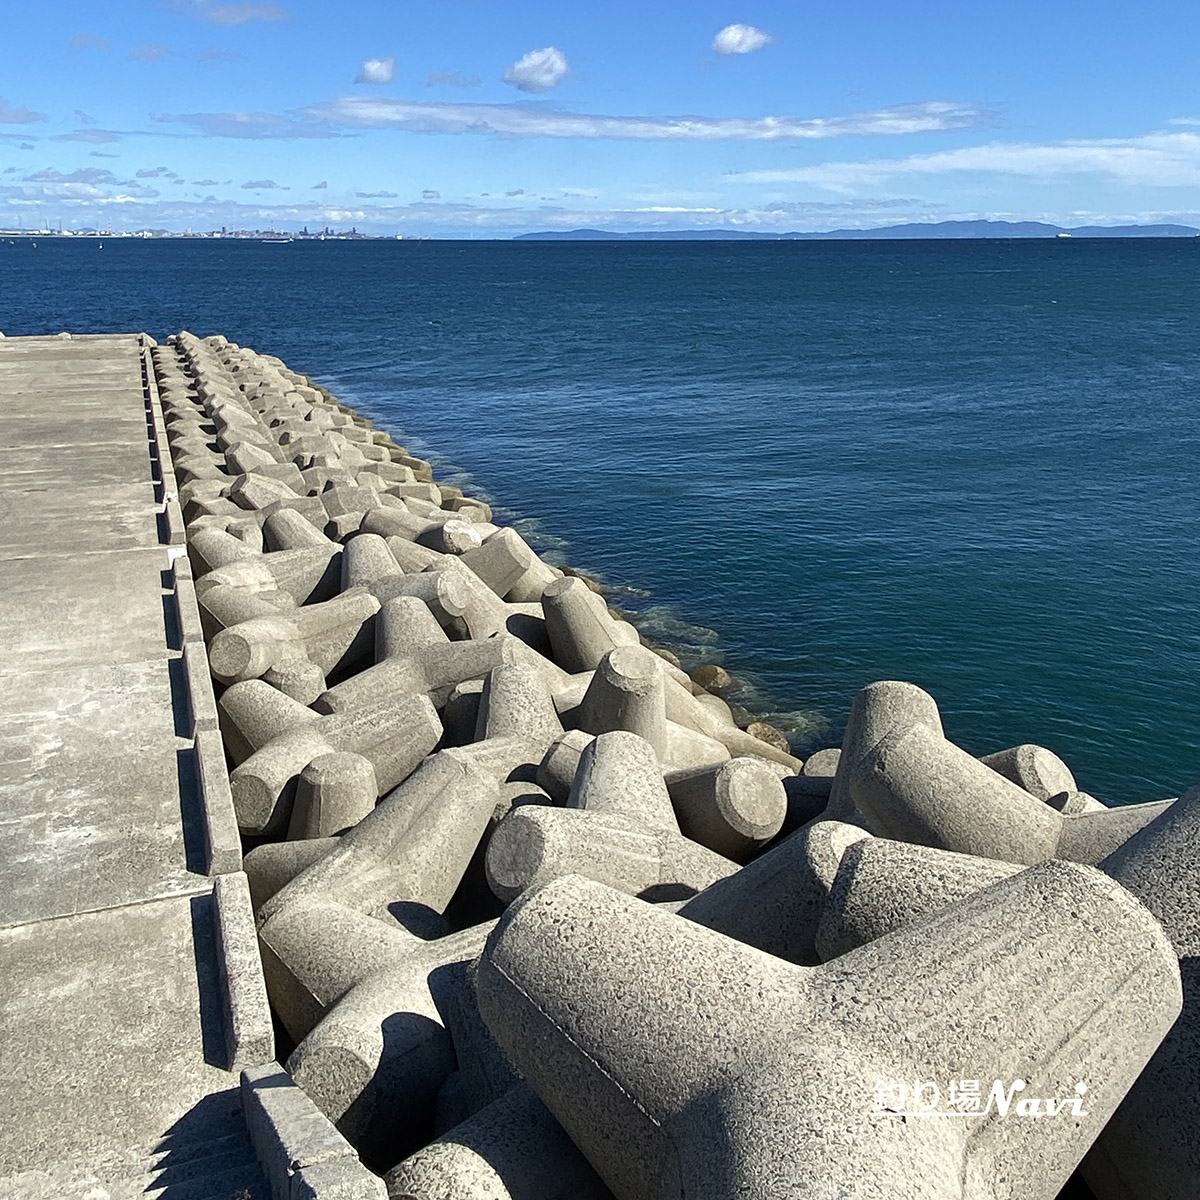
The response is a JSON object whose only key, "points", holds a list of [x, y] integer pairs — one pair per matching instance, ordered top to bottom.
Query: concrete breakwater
{"points": [[537, 918]]}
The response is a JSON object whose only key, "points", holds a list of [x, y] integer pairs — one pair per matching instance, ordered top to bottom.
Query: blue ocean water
{"points": [[972, 465]]}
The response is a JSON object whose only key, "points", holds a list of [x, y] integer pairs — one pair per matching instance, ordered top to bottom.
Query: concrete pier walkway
{"points": [[113, 1079]]}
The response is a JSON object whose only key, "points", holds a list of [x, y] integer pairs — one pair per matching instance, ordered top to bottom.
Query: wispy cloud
{"points": [[232, 14], [740, 39], [89, 41], [150, 52], [210, 56], [376, 70], [538, 71], [452, 79], [18, 114], [83, 117], [515, 120], [252, 124], [96, 137], [101, 154], [1155, 160], [157, 173], [81, 175], [205, 182], [262, 185], [320, 187], [431, 194], [377, 195]]}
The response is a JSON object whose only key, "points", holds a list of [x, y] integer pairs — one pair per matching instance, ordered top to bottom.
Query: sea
{"points": [[974, 465]]}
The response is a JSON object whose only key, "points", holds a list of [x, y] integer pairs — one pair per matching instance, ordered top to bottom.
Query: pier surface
{"points": [[112, 1079]]}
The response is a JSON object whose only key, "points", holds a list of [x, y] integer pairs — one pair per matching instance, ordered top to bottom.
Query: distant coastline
{"points": [[915, 230]]}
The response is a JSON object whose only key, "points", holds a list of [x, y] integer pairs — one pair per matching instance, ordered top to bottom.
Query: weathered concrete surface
{"points": [[112, 1079]]}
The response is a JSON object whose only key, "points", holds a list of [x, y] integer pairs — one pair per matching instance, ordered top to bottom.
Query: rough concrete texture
{"points": [[876, 710], [1038, 770], [915, 785], [734, 808], [618, 827], [883, 885], [776, 903], [113, 1009], [376, 1060], [684, 1063], [298, 1146], [1151, 1147], [511, 1150]]}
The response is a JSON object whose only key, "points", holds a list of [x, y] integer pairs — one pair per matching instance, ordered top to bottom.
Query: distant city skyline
{"points": [[468, 118]]}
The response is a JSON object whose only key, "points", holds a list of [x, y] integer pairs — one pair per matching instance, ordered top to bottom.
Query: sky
{"points": [[472, 118]]}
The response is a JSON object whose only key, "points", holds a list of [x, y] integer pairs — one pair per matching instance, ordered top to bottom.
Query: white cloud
{"points": [[740, 39], [376, 70], [538, 71], [10, 115], [514, 120], [1154, 160]]}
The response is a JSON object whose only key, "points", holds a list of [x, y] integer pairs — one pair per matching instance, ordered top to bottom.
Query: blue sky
{"points": [[475, 118]]}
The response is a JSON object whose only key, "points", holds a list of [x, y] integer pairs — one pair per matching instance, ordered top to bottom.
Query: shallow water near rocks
{"points": [[972, 465]]}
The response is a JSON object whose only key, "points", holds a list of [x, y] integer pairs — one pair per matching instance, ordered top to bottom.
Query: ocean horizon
{"points": [[968, 464]]}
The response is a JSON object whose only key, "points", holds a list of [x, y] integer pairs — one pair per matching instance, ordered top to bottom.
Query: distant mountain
{"points": [[916, 230]]}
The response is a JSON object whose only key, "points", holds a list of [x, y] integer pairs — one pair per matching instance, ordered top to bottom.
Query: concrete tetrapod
{"points": [[307, 575], [580, 628], [304, 644], [413, 654], [628, 691], [877, 709], [393, 735], [1038, 770], [916, 786], [334, 793], [734, 808], [618, 827], [417, 843], [883, 885], [776, 902], [376, 1060], [684, 1064], [511, 1150], [1150, 1150]]}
